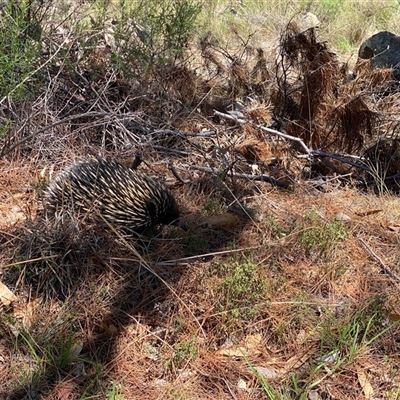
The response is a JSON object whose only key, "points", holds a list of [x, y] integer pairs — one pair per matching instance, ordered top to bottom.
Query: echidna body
{"points": [[122, 196]]}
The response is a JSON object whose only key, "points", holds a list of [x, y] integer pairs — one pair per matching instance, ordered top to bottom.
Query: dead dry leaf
{"points": [[255, 150], [369, 212], [342, 217], [221, 221], [394, 228], [6, 295], [27, 312], [395, 317], [109, 328], [252, 341], [248, 348], [234, 351], [295, 362], [267, 373], [365, 384], [242, 385], [64, 390], [314, 395]]}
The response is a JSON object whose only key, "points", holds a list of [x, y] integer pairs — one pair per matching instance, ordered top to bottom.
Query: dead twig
{"points": [[106, 115], [269, 130], [310, 154], [321, 154], [173, 170], [261, 178], [377, 258], [187, 260]]}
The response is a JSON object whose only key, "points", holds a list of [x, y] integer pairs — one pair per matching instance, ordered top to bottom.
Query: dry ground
{"points": [[192, 335]]}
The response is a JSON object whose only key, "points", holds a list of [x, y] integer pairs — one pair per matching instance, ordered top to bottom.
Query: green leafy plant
{"points": [[150, 33], [20, 41], [379, 172], [40, 185], [214, 205], [274, 227], [319, 236], [195, 244], [243, 286], [341, 341], [183, 352], [114, 392]]}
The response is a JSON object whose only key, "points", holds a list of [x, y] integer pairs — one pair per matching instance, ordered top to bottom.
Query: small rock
{"points": [[306, 21], [342, 217], [267, 373], [185, 375], [160, 382], [241, 385], [314, 395]]}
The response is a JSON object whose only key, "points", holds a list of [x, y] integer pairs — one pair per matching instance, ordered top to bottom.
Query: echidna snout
{"points": [[122, 196]]}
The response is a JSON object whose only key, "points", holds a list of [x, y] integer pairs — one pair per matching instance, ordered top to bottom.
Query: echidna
{"points": [[122, 196]]}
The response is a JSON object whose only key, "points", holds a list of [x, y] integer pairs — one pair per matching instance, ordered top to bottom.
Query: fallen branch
{"points": [[61, 121], [269, 130], [310, 153], [318, 153], [173, 170], [262, 178], [377, 258], [187, 260]]}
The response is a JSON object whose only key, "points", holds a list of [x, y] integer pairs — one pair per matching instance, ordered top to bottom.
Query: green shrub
{"points": [[150, 33], [20, 42], [319, 236], [241, 290]]}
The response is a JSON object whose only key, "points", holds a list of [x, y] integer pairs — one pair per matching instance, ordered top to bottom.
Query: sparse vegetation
{"points": [[151, 34], [20, 40], [214, 205], [274, 227], [320, 236], [196, 244], [286, 284], [241, 292], [184, 352]]}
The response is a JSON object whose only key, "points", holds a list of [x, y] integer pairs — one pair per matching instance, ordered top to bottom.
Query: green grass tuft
{"points": [[242, 287]]}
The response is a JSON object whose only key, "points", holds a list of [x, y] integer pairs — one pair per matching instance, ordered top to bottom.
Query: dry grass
{"points": [[273, 293], [195, 328]]}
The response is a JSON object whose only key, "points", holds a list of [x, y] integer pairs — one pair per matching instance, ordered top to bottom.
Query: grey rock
{"points": [[383, 49]]}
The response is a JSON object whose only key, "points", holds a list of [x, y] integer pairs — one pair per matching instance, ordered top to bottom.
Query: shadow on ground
{"points": [[82, 286]]}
